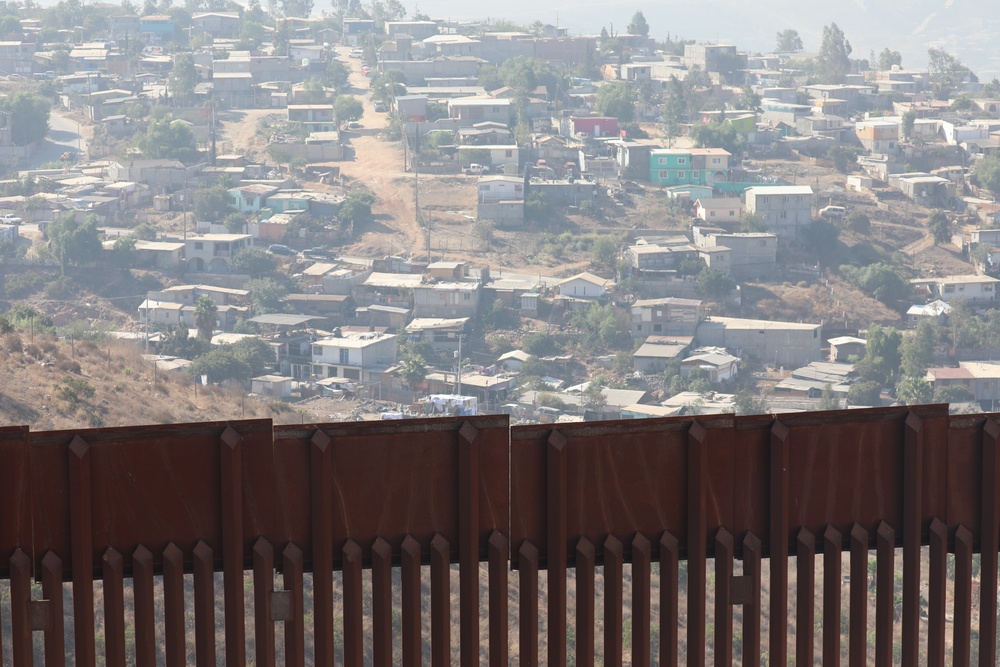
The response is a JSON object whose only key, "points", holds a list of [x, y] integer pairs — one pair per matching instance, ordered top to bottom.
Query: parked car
{"points": [[356, 53], [380, 107], [354, 125], [476, 169], [9, 219], [278, 249], [317, 253]]}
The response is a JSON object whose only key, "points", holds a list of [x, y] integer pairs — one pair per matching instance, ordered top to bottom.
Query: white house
{"points": [[500, 188], [718, 209], [785, 209], [213, 253], [583, 286], [972, 288], [354, 356], [719, 365]]}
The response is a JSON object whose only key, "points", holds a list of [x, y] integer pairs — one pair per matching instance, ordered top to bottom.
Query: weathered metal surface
{"points": [[131, 503]]}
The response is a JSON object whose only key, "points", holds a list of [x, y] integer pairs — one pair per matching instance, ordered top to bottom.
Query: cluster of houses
{"points": [[342, 331]]}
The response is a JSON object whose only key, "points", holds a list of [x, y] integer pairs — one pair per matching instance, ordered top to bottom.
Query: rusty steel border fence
{"points": [[147, 507]]}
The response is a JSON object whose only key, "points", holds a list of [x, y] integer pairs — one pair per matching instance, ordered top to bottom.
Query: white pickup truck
{"points": [[476, 169], [9, 219]]}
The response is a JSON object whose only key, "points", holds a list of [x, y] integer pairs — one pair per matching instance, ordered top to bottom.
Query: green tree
{"points": [[297, 8], [638, 25], [789, 41], [888, 58], [833, 61], [946, 72], [338, 75], [183, 78], [617, 100], [347, 107], [674, 108], [29, 116], [908, 120], [718, 135], [167, 139], [843, 157], [988, 173], [212, 203], [537, 208], [356, 211], [858, 222], [940, 227], [485, 231], [145, 232], [821, 237], [72, 242], [123, 252], [604, 254], [254, 262], [879, 280], [714, 284], [266, 295], [205, 317], [599, 325], [176, 342], [539, 344], [917, 350], [256, 353], [882, 359], [220, 364], [412, 368], [914, 391], [865, 393], [952, 393], [828, 400], [746, 402]]}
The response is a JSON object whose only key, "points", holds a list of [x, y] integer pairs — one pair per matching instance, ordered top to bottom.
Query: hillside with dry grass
{"points": [[52, 384]]}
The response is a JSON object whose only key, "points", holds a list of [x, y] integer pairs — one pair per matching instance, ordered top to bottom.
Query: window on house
{"points": [[509, 154], [682, 160], [716, 160], [662, 174], [681, 174], [695, 174], [711, 214], [732, 214], [783, 215], [198, 245], [948, 289], [467, 296], [657, 328], [317, 351], [345, 356], [352, 374]]}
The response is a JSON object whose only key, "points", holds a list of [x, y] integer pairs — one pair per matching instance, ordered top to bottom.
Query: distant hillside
{"points": [[52, 384]]}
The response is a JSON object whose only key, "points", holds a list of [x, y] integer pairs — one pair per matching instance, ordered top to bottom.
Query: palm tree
{"points": [[205, 312]]}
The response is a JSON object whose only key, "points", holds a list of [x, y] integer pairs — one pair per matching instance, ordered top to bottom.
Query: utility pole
{"points": [[459, 390]]}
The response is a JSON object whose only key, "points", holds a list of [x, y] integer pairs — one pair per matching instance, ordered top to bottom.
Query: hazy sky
{"points": [[965, 28]]}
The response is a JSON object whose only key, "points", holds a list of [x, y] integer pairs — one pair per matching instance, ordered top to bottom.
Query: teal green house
{"points": [[688, 166]]}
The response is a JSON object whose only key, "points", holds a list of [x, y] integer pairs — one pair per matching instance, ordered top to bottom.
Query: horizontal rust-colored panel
{"points": [[394, 479], [150, 485]]}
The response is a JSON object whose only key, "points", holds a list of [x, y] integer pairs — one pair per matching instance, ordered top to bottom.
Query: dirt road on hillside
{"points": [[378, 166]]}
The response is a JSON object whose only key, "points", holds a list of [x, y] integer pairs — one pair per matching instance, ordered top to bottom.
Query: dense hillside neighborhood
{"points": [[369, 215]]}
